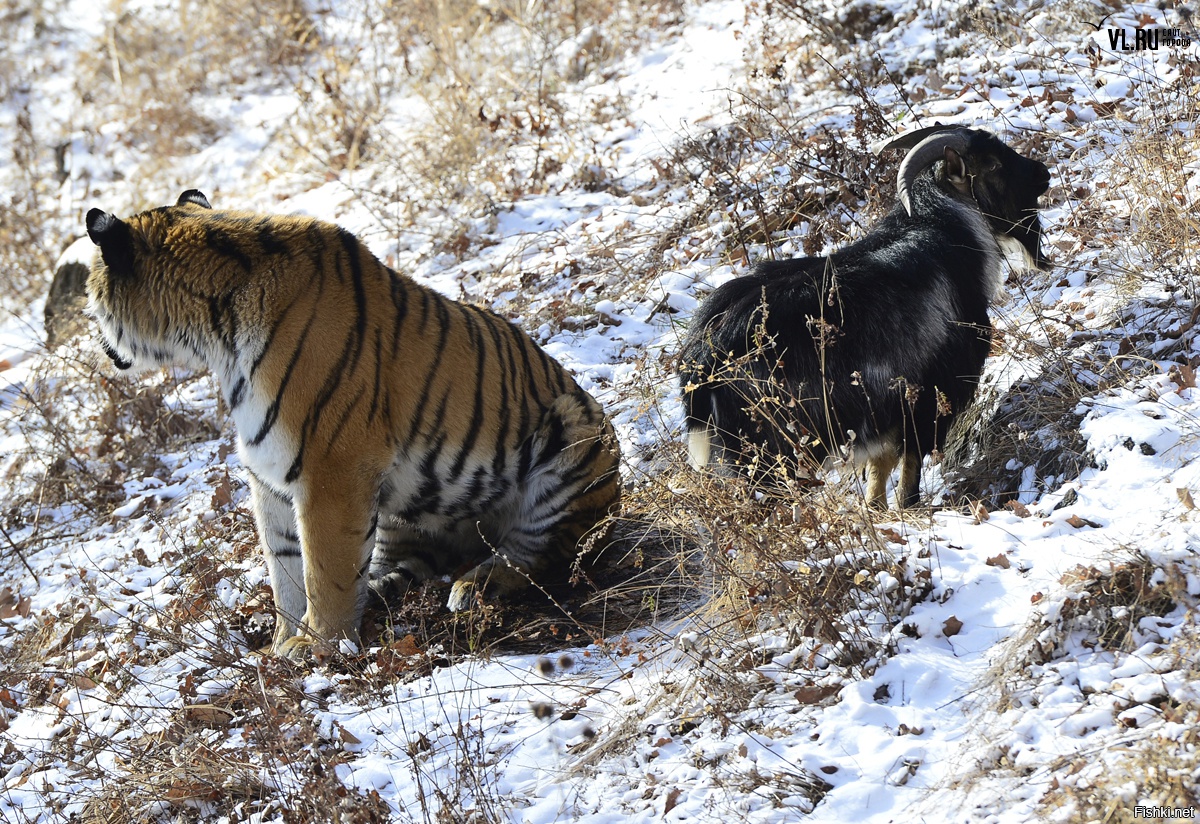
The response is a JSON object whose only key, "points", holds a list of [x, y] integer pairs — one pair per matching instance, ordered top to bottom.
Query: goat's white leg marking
{"points": [[700, 446]]}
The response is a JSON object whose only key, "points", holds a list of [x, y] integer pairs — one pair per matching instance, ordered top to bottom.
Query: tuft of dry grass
{"points": [[1107, 606]]}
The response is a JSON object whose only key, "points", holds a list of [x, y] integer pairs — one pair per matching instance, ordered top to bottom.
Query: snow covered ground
{"points": [[1043, 665]]}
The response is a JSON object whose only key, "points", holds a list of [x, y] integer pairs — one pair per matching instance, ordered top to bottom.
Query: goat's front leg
{"points": [[337, 521]]}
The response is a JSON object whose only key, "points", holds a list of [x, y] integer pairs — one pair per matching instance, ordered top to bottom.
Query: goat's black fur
{"points": [[885, 338]]}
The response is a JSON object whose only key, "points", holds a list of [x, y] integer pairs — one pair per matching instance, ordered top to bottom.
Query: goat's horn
{"points": [[912, 138], [924, 154]]}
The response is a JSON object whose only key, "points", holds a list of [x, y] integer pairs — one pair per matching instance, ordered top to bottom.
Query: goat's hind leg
{"points": [[879, 469], [908, 490]]}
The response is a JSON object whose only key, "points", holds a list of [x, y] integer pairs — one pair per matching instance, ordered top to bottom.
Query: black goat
{"points": [[873, 351]]}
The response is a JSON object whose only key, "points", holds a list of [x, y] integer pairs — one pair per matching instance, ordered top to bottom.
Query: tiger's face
{"points": [[132, 288]]}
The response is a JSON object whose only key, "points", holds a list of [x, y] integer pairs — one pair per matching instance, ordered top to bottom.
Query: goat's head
{"points": [[977, 166]]}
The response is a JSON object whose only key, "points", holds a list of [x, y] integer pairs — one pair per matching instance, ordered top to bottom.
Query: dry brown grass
{"points": [[150, 73]]}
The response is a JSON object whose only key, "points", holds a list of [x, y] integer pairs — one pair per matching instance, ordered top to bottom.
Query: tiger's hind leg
{"points": [[571, 486], [406, 556], [400, 560]]}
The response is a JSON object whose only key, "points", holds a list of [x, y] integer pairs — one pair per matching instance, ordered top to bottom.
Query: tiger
{"points": [[391, 434]]}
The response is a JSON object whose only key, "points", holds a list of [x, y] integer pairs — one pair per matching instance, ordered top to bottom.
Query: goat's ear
{"points": [[956, 171], [195, 197], [114, 238]]}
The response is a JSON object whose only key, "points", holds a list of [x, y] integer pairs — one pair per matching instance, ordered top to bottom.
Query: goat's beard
{"points": [[1025, 239]]}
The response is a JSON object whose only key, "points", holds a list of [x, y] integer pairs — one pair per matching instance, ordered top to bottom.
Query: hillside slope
{"points": [[1024, 649]]}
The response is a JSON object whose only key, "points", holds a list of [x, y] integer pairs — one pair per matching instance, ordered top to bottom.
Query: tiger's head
{"points": [[134, 286]]}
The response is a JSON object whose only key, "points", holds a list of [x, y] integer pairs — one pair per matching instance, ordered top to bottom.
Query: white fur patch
{"points": [[699, 447]]}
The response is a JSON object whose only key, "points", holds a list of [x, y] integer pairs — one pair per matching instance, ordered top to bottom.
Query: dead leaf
{"points": [[1104, 109], [1182, 375], [222, 496], [1185, 497], [1017, 508], [979, 511], [1080, 523], [893, 536], [1000, 560], [12, 605], [951, 627], [79, 629], [407, 646], [813, 694], [209, 715], [347, 736], [185, 790], [672, 800]]}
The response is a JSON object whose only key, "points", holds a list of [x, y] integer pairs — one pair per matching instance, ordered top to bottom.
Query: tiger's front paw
{"points": [[494, 577]]}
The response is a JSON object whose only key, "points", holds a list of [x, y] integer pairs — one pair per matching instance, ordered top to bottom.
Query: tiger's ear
{"points": [[195, 197], [113, 237]]}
